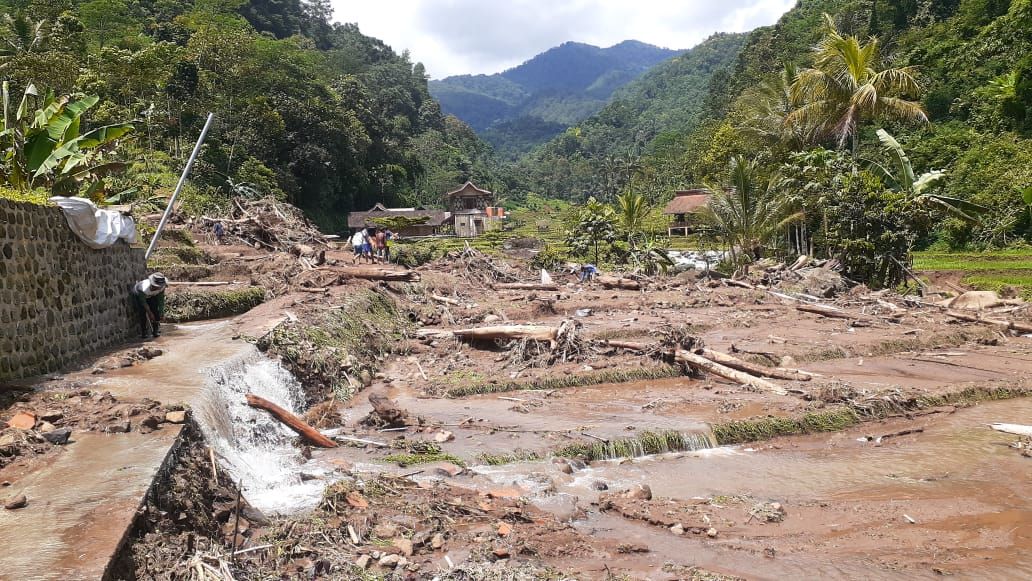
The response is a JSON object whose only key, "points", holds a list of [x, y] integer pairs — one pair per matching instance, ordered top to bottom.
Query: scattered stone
{"points": [[492, 319], [51, 416], [176, 417], [22, 421], [149, 424], [45, 427], [120, 427], [443, 436], [58, 437], [7, 439], [565, 468], [449, 469], [599, 485], [639, 492], [17, 502], [504, 529], [677, 529], [385, 530], [711, 533], [420, 538], [437, 541], [404, 545], [501, 553], [389, 561], [362, 562]]}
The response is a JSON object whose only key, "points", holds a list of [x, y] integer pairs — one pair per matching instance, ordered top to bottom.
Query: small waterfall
{"points": [[650, 443], [256, 449]]}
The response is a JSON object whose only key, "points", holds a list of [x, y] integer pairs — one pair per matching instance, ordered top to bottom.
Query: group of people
{"points": [[372, 244]]}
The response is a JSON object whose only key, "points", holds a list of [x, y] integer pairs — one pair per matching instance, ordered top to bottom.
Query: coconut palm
{"points": [[846, 87], [766, 109], [749, 213]]}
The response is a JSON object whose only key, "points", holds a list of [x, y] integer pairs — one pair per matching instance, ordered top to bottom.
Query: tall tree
{"points": [[847, 86]]}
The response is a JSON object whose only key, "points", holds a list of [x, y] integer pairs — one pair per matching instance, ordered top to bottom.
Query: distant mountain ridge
{"points": [[546, 94]]}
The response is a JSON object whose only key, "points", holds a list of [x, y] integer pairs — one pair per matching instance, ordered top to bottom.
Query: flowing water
{"points": [[257, 450]]}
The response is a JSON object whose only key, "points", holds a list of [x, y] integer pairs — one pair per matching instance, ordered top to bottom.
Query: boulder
{"points": [[176, 417], [22, 421], [58, 437], [639, 492], [16, 502]]}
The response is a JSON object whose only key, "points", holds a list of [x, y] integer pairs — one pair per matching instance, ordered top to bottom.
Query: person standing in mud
{"points": [[359, 243], [381, 244], [149, 298]]}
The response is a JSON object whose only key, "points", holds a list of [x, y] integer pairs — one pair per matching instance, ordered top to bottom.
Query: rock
{"points": [[975, 301], [492, 319], [788, 361], [51, 416], [176, 417], [22, 421], [149, 424], [45, 427], [120, 427], [443, 436], [58, 437], [7, 439], [565, 467], [449, 470], [599, 485], [639, 492], [505, 493], [16, 502], [504, 529], [677, 529], [385, 530], [711, 533], [420, 538], [437, 541], [403, 545], [501, 553], [389, 561], [362, 562]]}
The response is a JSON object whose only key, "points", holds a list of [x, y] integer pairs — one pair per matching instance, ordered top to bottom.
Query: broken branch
{"points": [[292, 421]]}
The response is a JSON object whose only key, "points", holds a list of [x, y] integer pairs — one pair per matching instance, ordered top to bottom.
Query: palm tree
{"points": [[846, 87], [766, 109], [749, 213], [631, 215]]}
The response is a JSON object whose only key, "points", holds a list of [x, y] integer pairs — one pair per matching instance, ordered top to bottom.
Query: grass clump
{"points": [[1000, 281], [187, 306], [572, 380], [741, 431], [646, 443], [511, 458], [408, 459]]}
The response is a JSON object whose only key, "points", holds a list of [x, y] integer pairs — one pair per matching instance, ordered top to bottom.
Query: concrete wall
{"points": [[59, 299]]}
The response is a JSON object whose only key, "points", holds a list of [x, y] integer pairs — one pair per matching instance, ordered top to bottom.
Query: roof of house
{"points": [[469, 188], [687, 202], [361, 219]]}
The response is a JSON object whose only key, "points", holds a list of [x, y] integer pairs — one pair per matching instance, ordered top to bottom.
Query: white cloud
{"points": [[484, 36]]}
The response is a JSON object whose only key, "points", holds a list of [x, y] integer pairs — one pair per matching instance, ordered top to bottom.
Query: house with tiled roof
{"points": [[684, 209]]}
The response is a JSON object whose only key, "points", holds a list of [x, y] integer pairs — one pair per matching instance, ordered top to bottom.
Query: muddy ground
{"points": [[505, 460]]}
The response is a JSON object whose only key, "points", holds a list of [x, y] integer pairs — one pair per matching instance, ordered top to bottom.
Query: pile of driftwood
{"points": [[266, 223], [480, 269]]}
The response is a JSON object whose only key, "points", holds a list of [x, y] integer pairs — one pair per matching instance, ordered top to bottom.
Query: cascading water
{"points": [[650, 443], [256, 449]]}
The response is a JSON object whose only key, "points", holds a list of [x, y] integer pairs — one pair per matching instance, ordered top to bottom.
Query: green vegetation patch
{"points": [[38, 197], [1018, 259], [1001, 281], [186, 306], [572, 380], [646, 443], [510, 458], [415, 459]]}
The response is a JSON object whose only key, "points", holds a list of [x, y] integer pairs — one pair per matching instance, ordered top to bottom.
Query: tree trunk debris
{"points": [[618, 282], [525, 286], [1009, 325], [535, 332], [292, 421]]}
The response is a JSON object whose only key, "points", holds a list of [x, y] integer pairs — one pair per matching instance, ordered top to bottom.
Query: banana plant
{"points": [[43, 146], [902, 179]]}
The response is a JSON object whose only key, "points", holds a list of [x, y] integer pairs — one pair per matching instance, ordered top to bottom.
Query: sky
{"points": [[453, 37]]}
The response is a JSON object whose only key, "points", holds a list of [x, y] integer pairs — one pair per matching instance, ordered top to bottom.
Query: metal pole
{"points": [[179, 186]]}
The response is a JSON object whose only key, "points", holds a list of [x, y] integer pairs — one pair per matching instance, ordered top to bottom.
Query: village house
{"points": [[684, 209], [472, 212], [421, 222]]}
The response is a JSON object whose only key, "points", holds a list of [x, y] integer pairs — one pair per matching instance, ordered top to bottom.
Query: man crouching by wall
{"points": [[149, 298]]}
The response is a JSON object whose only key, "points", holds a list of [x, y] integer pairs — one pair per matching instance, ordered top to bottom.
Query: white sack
{"points": [[97, 228]]}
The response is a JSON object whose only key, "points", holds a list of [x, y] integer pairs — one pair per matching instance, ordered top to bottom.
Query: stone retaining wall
{"points": [[59, 299]]}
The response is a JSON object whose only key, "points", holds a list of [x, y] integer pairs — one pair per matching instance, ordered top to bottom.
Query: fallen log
{"points": [[382, 274], [618, 282], [201, 283], [738, 283], [525, 286], [446, 300], [832, 313], [1009, 325], [534, 332], [632, 345], [698, 362], [736, 363], [292, 421]]}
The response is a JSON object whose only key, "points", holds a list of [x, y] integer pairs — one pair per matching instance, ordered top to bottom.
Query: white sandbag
{"points": [[97, 228]]}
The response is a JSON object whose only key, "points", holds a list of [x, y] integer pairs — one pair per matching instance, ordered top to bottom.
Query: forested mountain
{"points": [[527, 104], [306, 109], [646, 123]]}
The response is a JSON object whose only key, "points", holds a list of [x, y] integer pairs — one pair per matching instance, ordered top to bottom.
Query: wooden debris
{"points": [[381, 274], [618, 282], [738, 283], [525, 286], [446, 300], [833, 313], [1009, 325], [534, 332], [698, 362], [736, 363], [292, 421]]}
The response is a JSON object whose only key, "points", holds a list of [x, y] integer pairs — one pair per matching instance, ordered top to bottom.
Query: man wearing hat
{"points": [[149, 297]]}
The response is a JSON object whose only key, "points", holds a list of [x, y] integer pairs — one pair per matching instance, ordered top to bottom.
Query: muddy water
{"points": [[966, 491]]}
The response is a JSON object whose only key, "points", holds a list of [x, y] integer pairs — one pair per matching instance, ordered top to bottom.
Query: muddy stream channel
{"points": [[949, 499]]}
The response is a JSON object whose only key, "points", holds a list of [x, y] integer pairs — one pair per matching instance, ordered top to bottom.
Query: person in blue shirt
{"points": [[587, 272]]}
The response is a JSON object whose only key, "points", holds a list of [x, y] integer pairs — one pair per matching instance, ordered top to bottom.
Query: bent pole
{"points": [[179, 186]]}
